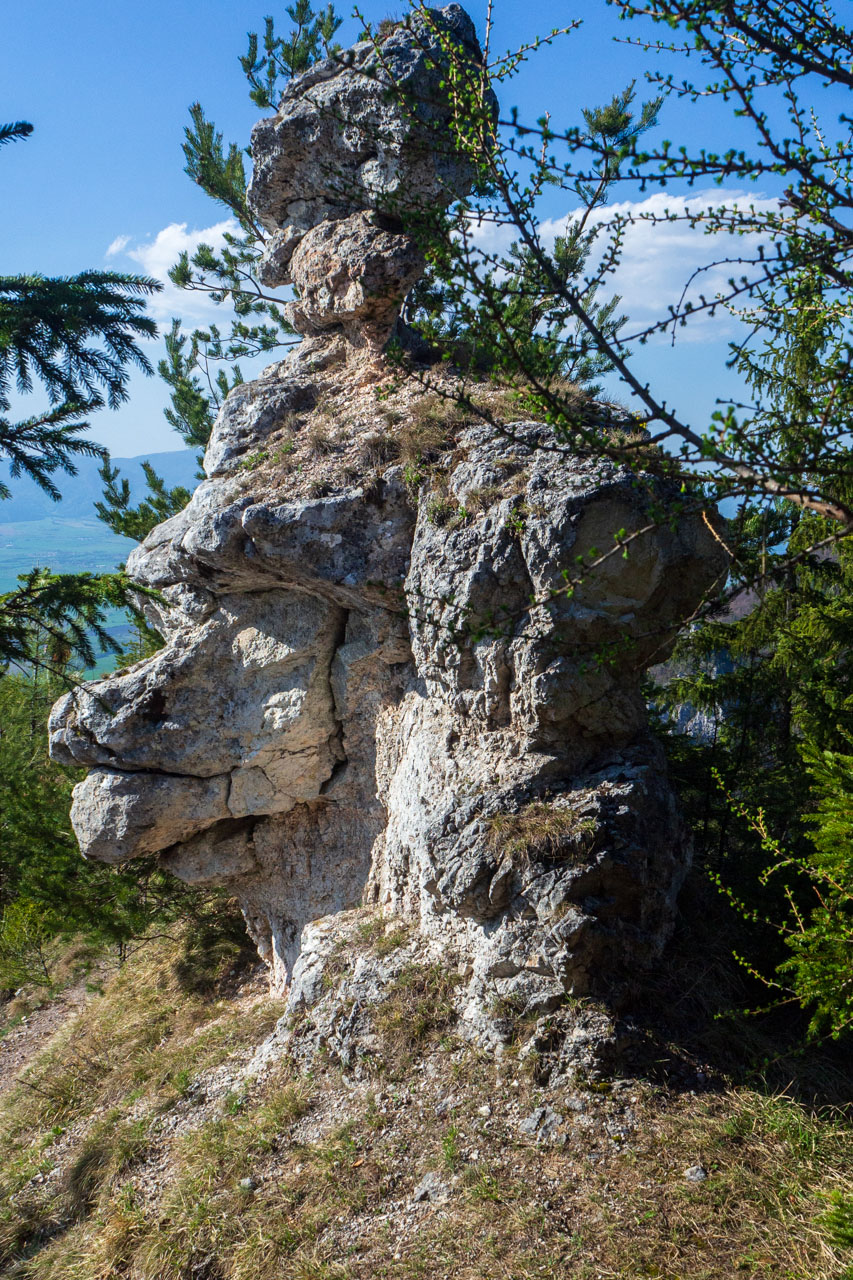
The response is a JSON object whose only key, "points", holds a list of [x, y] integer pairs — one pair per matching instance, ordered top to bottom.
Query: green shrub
{"points": [[817, 926], [23, 937]]}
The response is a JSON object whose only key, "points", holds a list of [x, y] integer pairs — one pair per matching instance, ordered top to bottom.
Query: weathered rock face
{"points": [[367, 130], [352, 274], [374, 689]]}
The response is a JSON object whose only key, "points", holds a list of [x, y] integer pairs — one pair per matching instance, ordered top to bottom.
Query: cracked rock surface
{"points": [[379, 689]]}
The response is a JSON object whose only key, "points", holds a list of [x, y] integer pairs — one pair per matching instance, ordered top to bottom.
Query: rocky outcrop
{"points": [[352, 275], [391, 684]]}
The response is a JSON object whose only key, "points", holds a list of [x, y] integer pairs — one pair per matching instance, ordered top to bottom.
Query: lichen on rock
{"points": [[378, 692]]}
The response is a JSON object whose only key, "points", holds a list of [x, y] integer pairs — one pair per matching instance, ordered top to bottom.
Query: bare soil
{"points": [[23, 1034]]}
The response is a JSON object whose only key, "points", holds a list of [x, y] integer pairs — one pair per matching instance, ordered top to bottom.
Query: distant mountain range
{"points": [[80, 492], [67, 536]]}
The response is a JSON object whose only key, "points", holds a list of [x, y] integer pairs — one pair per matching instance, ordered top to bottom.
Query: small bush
{"points": [[444, 511], [23, 941], [451, 1153]]}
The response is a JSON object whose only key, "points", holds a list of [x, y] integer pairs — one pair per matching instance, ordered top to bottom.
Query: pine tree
{"points": [[310, 39], [771, 62], [11, 132], [231, 276], [508, 316], [77, 338], [136, 522], [776, 782], [47, 891]]}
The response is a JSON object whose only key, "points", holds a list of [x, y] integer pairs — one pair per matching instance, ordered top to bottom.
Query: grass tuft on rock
{"points": [[540, 831]]}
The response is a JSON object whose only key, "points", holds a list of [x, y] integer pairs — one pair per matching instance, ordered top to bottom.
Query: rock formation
{"points": [[375, 686]]}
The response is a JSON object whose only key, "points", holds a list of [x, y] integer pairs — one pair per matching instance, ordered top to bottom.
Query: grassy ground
{"points": [[135, 1146]]}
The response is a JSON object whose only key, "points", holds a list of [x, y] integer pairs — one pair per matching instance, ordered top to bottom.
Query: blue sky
{"points": [[107, 86]]}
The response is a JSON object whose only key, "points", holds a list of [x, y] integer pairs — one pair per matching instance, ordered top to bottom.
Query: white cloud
{"points": [[120, 243], [156, 256], [659, 257]]}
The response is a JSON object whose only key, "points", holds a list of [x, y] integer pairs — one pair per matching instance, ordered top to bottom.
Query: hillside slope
{"points": [[151, 1140]]}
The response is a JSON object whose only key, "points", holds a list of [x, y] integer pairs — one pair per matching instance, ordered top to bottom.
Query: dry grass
{"points": [[388, 26], [519, 403], [361, 424], [365, 424], [429, 429], [320, 439], [633, 443], [377, 450], [638, 451], [512, 487], [477, 500], [540, 831], [375, 935], [382, 935], [417, 1011], [88, 1104], [311, 1175], [617, 1210]]}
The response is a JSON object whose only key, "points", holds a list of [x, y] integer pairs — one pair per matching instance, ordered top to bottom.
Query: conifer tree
{"points": [[311, 38], [765, 60], [11, 132], [231, 275], [512, 321], [77, 338], [136, 522], [782, 674], [771, 792], [47, 891]]}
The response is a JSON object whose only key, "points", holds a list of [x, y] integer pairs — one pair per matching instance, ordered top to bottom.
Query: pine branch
{"points": [[12, 132]]}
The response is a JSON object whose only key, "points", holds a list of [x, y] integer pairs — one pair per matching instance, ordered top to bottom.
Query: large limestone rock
{"points": [[352, 274], [389, 687]]}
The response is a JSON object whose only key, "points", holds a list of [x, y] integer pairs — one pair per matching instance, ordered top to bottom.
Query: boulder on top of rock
{"points": [[365, 129], [354, 274]]}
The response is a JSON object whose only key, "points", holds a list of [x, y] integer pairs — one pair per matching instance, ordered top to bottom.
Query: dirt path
{"points": [[21, 1043]]}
